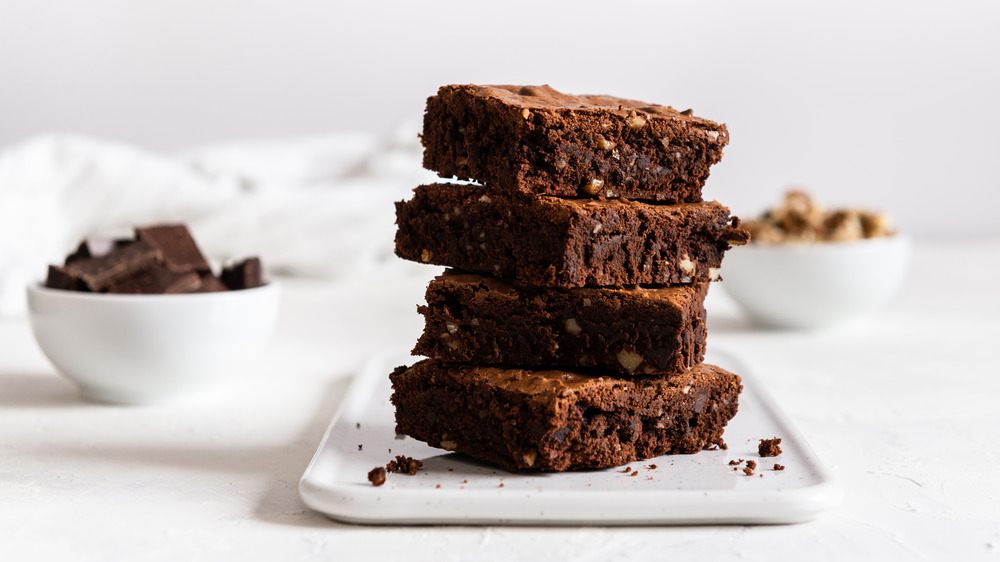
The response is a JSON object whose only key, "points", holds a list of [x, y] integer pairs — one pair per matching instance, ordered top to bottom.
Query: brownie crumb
{"points": [[357, 425], [723, 446], [359, 447], [769, 447], [735, 462], [751, 464], [405, 465], [779, 466], [653, 467], [627, 470], [748, 471], [634, 473], [377, 476], [501, 484], [438, 486]]}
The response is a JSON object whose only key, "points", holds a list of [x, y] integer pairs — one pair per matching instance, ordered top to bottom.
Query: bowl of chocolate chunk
{"points": [[808, 266], [146, 320]]}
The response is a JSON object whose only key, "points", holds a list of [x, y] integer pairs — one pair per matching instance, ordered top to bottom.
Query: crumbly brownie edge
{"points": [[615, 422]]}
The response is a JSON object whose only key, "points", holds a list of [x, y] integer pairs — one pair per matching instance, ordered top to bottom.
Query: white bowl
{"points": [[815, 285], [138, 349]]}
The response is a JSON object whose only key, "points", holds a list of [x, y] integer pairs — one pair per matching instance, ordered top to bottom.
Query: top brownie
{"points": [[534, 139]]}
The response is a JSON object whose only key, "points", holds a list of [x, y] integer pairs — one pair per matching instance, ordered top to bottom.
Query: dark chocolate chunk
{"points": [[95, 248], [178, 248], [99, 273], [246, 274], [59, 278], [156, 281], [211, 284]]}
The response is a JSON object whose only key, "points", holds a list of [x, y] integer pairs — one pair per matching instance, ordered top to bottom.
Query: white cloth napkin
{"points": [[318, 206]]}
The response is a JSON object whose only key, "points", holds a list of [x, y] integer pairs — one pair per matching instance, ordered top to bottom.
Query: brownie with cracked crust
{"points": [[534, 139], [556, 242], [472, 318], [555, 420]]}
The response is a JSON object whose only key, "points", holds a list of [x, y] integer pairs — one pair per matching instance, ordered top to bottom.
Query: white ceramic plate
{"points": [[453, 489]]}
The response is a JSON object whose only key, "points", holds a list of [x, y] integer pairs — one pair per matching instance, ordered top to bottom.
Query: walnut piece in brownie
{"points": [[536, 140], [553, 242], [472, 318], [554, 420], [769, 447], [404, 465], [377, 476]]}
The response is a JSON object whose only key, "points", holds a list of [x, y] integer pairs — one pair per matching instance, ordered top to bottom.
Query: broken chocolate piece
{"points": [[95, 248], [179, 250], [164, 259], [99, 273], [246, 274], [59, 278], [157, 280], [211, 284]]}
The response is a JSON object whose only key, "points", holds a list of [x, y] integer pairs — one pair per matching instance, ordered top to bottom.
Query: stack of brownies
{"points": [[571, 332]]}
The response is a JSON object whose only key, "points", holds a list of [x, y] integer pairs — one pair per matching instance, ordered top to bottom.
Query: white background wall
{"points": [[893, 105]]}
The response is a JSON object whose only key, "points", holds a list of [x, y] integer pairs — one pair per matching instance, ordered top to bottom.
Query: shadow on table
{"points": [[37, 390]]}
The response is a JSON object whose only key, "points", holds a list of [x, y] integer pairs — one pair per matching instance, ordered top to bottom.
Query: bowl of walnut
{"points": [[811, 267]]}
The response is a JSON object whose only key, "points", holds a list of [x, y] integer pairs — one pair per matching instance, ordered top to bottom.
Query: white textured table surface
{"points": [[905, 408]]}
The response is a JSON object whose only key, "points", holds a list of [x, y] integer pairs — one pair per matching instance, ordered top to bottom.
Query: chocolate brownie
{"points": [[534, 139], [557, 242], [471, 318], [562, 420]]}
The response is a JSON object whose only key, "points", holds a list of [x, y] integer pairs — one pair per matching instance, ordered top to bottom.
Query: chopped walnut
{"points": [[800, 219], [630, 360]]}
